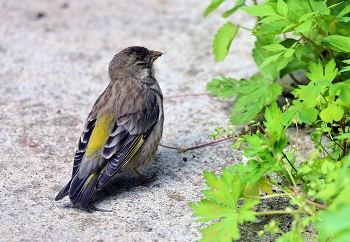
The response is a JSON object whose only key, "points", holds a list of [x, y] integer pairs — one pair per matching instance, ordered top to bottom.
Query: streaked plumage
{"points": [[123, 130]]}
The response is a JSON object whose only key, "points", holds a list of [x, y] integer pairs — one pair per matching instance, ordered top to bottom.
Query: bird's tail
{"points": [[79, 190]]}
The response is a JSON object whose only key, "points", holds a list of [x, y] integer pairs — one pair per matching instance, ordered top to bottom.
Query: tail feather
{"points": [[81, 190], [64, 191]]}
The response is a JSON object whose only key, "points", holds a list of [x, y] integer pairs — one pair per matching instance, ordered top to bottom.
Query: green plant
{"points": [[317, 43]]}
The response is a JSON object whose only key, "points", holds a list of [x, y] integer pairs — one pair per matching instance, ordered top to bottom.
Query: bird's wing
{"points": [[128, 135], [79, 154]]}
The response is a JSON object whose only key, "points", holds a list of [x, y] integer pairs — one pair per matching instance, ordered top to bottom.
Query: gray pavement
{"points": [[54, 58]]}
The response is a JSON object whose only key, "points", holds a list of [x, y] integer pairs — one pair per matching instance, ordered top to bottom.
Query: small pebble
{"points": [[184, 159]]}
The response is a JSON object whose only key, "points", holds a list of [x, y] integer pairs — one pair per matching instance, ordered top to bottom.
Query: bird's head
{"points": [[135, 61]]}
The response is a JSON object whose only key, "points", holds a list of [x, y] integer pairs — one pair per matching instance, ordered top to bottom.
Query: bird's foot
{"points": [[143, 178]]}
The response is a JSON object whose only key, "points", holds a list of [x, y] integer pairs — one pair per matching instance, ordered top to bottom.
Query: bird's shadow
{"points": [[122, 183]]}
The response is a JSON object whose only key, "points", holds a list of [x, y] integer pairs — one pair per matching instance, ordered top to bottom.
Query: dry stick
{"points": [[186, 95], [184, 149], [320, 206]]}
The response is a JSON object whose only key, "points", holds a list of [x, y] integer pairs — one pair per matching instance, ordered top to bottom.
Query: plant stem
{"points": [[246, 28], [319, 52], [287, 86], [186, 95], [184, 149], [290, 163], [269, 196], [320, 206], [279, 212]]}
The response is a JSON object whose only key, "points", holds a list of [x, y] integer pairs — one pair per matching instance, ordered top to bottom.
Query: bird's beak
{"points": [[154, 55]]}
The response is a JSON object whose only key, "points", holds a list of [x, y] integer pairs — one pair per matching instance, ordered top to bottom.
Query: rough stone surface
{"points": [[54, 58]]}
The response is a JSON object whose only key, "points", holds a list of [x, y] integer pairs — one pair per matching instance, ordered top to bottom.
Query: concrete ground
{"points": [[54, 58]]}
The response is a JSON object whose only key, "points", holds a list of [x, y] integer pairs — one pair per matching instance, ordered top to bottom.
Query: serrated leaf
{"points": [[238, 4], [212, 6], [282, 8], [260, 10], [306, 16], [270, 19], [288, 28], [304, 28], [271, 29], [222, 40], [337, 43], [274, 47], [299, 51], [289, 53], [260, 54], [270, 59], [283, 62], [317, 74], [224, 88], [248, 105], [332, 112], [273, 123], [264, 186], [221, 191], [208, 210], [230, 216], [225, 230]]}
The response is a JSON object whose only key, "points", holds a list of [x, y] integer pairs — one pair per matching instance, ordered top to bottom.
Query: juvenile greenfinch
{"points": [[123, 129]]}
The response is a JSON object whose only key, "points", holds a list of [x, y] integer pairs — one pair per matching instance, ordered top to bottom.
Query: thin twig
{"points": [[186, 95]]}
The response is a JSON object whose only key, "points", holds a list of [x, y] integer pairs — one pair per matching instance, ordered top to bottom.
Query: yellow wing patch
{"points": [[99, 134]]}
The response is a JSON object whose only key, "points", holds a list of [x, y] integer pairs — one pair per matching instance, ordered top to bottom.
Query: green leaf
{"points": [[238, 4], [213, 5], [282, 8], [260, 10], [345, 10], [306, 16], [271, 18], [289, 28], [304, 28], [272, 29], [223, 39], [337, 43], [274, 47], [299, 51], [289, 53], [260, 54], [270, 59], [317, 74], [225, 87], [344, 94], [251, 101], [301, 112], [332, 112], [308, 115], [273, 123], [220, 190], [208, 210], [229, 215], [335, 222], [225, 230]]}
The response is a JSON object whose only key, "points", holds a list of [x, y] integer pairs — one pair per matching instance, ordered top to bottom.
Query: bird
{"points": [[124, 128]]}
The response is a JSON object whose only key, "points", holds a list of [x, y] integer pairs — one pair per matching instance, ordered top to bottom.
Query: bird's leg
{"points": [[143, 178]]}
